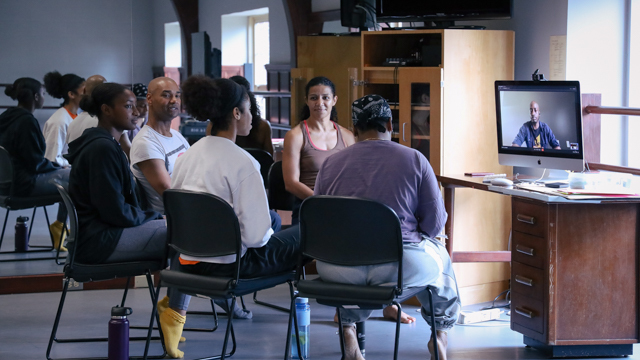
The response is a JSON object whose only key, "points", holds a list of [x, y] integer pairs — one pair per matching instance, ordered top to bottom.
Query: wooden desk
{"points": [[450, 183], [574, 274]]}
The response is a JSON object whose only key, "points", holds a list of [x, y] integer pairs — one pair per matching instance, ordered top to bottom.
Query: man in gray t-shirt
{"points": [[157, 146], [401, 178]]}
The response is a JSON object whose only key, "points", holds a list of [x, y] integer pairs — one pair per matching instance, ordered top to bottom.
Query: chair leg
{"points": [[33, 220], [4, 226], [64, 229], [126, 291], [154, 302], [276, 307], [56, 322], [398, 322], [229, 329], [341, 332], [434, 335], [287, 349]]}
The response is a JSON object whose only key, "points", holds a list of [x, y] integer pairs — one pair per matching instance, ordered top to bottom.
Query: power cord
{"points": [[507, 297]]}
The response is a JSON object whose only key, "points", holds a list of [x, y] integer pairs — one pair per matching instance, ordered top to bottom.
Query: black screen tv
{"points": [[442, 10]]}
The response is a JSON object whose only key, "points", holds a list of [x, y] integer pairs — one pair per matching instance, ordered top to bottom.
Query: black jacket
{"points": [[21, 136], [103, 191]]}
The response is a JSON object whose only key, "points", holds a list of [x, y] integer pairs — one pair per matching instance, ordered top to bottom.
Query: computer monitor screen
{"points": [[540, 124]]}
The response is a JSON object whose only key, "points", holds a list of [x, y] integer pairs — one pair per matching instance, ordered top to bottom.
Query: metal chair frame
{"points": [[328, 233], [185, 240], [72, 268]]}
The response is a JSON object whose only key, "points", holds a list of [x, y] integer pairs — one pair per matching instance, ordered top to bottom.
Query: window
{"points": [[172, 45]]}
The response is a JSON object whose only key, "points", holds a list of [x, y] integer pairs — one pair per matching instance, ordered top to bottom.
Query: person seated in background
{"points": [[70, 88], [140, 90], [84, 120], [535, 133], [20, 135], [260, 135], [307, 145], [157, 146], [216, 165], [400, 177], [112, 226]]}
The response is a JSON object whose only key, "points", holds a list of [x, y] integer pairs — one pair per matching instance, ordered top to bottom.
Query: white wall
{"points": [[73, 36], [234, 39], [280, 45], [595, 56]]}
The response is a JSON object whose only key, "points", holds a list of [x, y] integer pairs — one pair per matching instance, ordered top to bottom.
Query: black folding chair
{"points": [[265, 159], [279, 199], [10, 203], [205, 225], [352, 232], [90, 272]]}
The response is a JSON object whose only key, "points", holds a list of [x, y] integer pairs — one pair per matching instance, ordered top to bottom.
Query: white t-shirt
{"points": [[81, 123], [55, 136], [148, 145], [217, 166]]}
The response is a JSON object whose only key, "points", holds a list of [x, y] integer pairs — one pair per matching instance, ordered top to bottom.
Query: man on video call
{"points": [[535, 133]]}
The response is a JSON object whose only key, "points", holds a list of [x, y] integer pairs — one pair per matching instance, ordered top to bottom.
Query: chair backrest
{"points": [[265, 159], [6, 171], [279, 197], [73, 218], [201, 224], [350, 232]]}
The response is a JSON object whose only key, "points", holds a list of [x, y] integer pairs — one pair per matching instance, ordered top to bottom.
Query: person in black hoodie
{"points": [[21, 136], [112, 226]]}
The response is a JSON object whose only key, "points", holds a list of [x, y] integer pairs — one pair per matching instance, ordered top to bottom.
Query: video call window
{"points": [[539, 119]]}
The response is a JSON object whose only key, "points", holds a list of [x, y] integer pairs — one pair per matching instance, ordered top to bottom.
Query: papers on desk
{"points": [[610, 193]]}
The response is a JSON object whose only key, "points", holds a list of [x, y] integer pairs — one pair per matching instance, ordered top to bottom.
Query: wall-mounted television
{"points": [[441, 10]]}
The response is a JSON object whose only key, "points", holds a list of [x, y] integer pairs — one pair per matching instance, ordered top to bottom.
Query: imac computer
{"points": [[540, 124]]}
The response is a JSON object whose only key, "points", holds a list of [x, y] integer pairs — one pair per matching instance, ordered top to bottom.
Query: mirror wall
{"points": [[119, 39]]}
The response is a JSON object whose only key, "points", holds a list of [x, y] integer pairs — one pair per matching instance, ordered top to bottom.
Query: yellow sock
{"points": [[56, 229], [164, 305], [172, 324]]}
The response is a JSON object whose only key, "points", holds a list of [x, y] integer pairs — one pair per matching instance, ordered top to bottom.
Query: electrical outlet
{"points": [[141, 281], [74, 285], [478, 316]]}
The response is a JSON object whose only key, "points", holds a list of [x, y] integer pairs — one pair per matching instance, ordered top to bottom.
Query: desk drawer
{"points": [[529, 218], [527, 249], [527, 280], [527, 312]]}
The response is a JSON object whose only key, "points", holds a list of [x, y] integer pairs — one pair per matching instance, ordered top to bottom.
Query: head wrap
{"points": [[140, 90], [372, 109]]}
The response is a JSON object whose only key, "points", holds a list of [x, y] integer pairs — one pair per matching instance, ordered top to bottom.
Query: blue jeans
{"points": [[278, 255], [424, 263]]}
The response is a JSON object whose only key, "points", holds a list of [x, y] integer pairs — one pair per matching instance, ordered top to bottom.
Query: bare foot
{"points": [[391, 313], [441, 337], [351, 348]]}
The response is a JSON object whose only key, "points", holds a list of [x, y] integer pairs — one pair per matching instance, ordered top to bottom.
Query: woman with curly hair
{"points": [[216, 165]]}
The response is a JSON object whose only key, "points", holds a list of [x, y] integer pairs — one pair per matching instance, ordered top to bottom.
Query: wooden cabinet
{"points": [[574, 277]]}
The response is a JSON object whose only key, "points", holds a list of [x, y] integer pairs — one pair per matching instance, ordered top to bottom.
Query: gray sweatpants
{"points": [[145, 242], [424, 263]]}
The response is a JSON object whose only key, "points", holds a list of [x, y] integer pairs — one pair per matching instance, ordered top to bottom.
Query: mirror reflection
{"points": [[123, 41]]}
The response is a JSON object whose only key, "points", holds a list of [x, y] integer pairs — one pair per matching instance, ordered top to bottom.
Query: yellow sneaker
{"points": [[56, 229]]}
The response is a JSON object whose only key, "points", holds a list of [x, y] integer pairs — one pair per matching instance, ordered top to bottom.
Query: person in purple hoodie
{"points": [[400, 177]]}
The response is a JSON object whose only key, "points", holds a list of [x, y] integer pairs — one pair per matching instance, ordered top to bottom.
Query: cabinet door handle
{"points": [[403, 137], [526, 219], [524, 250], [524, 281], [524, 312]]}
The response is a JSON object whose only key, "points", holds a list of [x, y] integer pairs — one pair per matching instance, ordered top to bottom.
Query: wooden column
{"points": [[187, 11]]}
